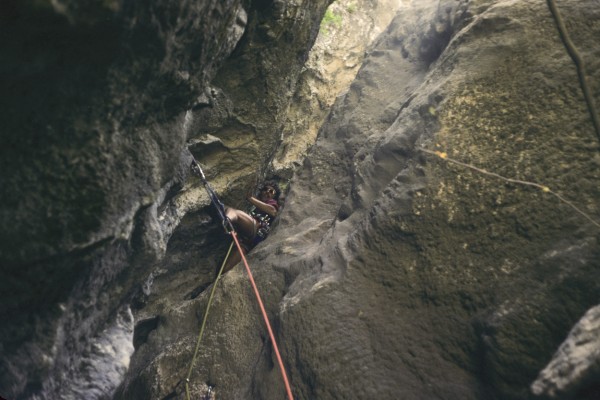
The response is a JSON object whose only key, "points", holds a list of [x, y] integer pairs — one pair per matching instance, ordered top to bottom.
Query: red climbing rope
{"points": [[197, 170], [265, 317]]}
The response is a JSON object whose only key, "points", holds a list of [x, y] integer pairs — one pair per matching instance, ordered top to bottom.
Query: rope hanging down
{"points": [[579, 64], [230, 230], [210, 298], [265, 317]]}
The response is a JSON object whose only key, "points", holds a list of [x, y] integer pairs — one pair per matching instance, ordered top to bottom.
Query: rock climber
{"points": [[253, 227]]}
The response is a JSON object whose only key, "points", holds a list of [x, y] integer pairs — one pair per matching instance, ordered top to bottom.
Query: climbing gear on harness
{"points": [[263, 218], [264, 225], [230, 230]]}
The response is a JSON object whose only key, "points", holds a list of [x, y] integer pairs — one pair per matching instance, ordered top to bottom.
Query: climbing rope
{"points": [[579, 63], [196, 169], [543, 188], [210, 298], [265, 317]]}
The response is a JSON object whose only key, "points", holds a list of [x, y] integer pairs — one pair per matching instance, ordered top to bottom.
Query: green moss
{"points": [[330, 19]]}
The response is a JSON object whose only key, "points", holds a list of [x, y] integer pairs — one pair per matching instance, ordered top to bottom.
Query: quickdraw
{"points": [[219, 206]]}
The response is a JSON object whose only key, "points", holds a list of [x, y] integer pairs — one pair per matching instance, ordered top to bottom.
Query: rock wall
{"points": [[346, 33], [98, 106], [413, 258], [395, 271], [431, 279], [574, 368]]}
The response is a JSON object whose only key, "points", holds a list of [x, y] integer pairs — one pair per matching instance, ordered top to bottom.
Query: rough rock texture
{"points": [[347, 31], [98, 101], [427, 263], [392, 272], [576, 364]]}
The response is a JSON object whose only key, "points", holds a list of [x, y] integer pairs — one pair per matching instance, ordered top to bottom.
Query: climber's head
{"points": [[270, 189]]}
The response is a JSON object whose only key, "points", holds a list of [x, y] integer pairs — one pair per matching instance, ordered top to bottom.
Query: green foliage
{"points": [[330, 19]]}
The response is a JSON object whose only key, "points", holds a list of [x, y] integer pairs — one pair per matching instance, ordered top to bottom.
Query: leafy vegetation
{"points": [[330, 19]]}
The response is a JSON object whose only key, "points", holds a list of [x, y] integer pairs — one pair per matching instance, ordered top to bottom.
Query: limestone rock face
{"points": [[347, 31], [97, 108], [439, 240], [423, 262], [395, 272], [576, 365]]}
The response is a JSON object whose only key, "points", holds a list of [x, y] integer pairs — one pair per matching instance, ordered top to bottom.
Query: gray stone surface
{"points": [[97, 107], [391, 273], [575, 366]]}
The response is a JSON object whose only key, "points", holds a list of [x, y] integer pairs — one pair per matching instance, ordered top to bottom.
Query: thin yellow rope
{"points": [[544, 188], [210, 298]]}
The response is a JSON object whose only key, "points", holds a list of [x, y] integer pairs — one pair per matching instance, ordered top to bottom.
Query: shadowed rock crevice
{"points": [[143, 329]]}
